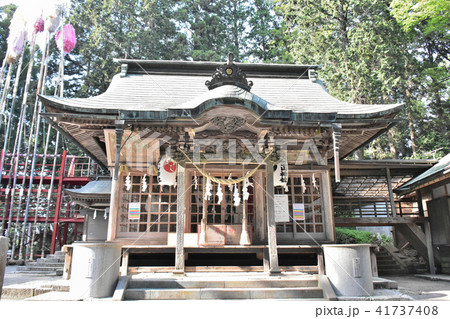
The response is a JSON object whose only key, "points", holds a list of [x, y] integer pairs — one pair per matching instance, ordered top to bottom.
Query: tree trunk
{"points": [[411, 133]]}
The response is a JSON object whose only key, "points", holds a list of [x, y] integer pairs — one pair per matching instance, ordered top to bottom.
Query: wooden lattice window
{"points": [[311, 197], [158, 206], [223, 213]]}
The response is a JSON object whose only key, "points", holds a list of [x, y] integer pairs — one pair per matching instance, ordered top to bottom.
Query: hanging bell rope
{"points": [[226, 181]]}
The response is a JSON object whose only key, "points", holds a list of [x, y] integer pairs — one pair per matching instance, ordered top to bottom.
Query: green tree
{"points": [[6, 13], [427, 23], [214, 28], [120, 29], [265, 40], [367, 58]]}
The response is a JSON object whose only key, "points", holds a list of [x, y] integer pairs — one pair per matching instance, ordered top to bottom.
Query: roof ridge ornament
{"points": [[231, 74]]}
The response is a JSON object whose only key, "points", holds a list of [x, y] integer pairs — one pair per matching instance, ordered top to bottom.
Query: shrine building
{"points": [[208, 160]]}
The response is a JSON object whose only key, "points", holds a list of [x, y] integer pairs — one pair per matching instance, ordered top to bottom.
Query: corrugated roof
{"points": [[441, 168]]}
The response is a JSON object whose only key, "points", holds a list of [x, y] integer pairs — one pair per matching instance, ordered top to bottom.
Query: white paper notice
{"points": [[281, 208]]}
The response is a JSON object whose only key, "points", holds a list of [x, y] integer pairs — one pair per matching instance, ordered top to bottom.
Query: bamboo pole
{"points": [[2, 72], [60, 84], [6, 89], [24, 106], [37, 120], [6, 138], [47, 141], [50, 192], [38, 196], [49, 196]]}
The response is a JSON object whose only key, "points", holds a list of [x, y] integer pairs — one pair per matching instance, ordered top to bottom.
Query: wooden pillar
{"points": [[115, 185], [391, 193], [59, 199], [258, 202], [420, 202], [181, 207], [113, 209], [203, 222], [328, 222], [66, 225], [271, 227], [75, 232], [245, 238], [429, 243], [266, 260], [67, 262], [320, 262], [124, 266]]}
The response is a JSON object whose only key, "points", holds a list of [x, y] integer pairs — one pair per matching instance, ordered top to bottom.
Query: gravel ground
{"points": [[13, 278], [422, 289]]}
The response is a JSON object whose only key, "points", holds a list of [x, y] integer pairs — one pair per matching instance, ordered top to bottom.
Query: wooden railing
{"points": [[373, 207]]}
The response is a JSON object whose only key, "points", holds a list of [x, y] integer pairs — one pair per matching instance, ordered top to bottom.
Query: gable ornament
{"points": [[229, 74], [228, 124]]}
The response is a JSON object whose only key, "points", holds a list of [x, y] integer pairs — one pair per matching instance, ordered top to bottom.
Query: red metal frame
{"points": [[78, 173], [58, 202]]}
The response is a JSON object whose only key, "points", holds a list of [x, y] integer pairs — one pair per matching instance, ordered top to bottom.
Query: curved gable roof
{"points": [[155, 88]]}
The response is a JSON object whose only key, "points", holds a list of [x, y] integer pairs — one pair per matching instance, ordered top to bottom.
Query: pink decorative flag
{"points": [[69, 38]]}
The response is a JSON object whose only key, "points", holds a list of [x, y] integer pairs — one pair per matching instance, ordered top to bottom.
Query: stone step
{"points": [[59, 254], [384, 257], [52, 259], [386, 262], [44, 264], [389, 267], [35, 268], [421, 270], [392, 271], [41, 272], [252, 283], [382, 283], [59, 286], [34, 288], [20, 293], [223, 293]]}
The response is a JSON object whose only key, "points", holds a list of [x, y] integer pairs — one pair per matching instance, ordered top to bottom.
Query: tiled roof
{"points": [[153, 89], [100, 187]]}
